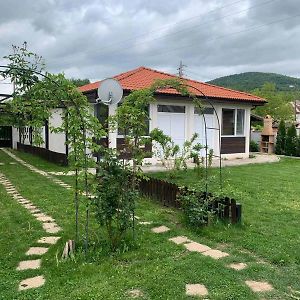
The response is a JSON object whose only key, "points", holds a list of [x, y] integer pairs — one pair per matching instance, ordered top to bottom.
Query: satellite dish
{"points": [[109, 92]]}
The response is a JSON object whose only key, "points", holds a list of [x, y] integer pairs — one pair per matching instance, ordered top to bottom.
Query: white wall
{"points": [[189, 121], [15, 137], [56, 140]]}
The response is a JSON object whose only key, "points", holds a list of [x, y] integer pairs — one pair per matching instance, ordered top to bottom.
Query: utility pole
{"points": [[180, 69]]}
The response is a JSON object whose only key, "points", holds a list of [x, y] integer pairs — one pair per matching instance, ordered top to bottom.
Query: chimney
{"points": [[268, 126]]}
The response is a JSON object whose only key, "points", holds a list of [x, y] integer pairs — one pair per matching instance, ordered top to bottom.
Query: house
{"points": [[296, 108], [176, 115]]}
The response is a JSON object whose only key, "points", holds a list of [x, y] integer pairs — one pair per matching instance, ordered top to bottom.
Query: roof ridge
{"points": [[127, 74], [201, 82]]}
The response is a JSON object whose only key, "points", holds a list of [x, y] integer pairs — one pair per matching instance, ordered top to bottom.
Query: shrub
{"points": [[281, 139], [291, 141], [253, 146], [115, 199], [196, 207]]}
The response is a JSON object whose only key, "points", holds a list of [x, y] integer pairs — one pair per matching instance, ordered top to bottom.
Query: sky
{"points": [[99, 39]]}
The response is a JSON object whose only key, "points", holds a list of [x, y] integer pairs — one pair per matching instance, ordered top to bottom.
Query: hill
{"points": [[249, 81]]}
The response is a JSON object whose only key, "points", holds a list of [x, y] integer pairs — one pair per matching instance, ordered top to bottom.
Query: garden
{"points": [[105, 239]]}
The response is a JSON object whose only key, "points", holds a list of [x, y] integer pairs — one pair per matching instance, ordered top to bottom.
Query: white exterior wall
{"points": [[189, 122], [15, 137], [56, 140]]}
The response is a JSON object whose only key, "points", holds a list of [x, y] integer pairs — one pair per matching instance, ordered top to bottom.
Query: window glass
{"points": [[171, 108], [206, 110], [240, 117], [228, 120]]}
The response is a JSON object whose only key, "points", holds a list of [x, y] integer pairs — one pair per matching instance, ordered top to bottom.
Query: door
{"points": [[171, 120]]}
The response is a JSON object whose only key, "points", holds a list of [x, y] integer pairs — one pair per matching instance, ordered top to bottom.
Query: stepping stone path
{"points": [[36, 170], [49, 226], [160, 229], [179, 240], [196, 247], [36, 251], [215, 254], [29, 265], [238, 266], [31, 283], [259, 286], [196, 290], [135, 294]]}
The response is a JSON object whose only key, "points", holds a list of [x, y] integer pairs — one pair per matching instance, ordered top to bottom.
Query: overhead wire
{"points": [[188, 29]]}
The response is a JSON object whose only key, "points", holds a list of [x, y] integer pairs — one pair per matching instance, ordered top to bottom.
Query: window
{"points": [[171, 108], [205, 110], [240, 116], [228, 121], [233, 121]]}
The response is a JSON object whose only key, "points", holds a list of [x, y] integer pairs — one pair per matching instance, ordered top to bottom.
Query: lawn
{"points": [[268, 241]]}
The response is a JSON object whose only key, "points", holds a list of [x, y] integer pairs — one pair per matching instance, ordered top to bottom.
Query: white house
{"points": [[174, 114]]}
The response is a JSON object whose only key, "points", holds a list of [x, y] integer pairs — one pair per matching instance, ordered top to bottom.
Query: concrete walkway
{"points": [[257, 158]]}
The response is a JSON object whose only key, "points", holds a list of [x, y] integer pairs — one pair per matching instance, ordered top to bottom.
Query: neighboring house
{"points": [[296, 108], [176, 115]]}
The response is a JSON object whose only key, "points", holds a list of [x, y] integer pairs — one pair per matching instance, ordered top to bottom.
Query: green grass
{"points": [[159, 268]]}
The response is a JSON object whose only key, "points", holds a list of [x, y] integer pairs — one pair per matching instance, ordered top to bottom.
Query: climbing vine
{"points": [[36, 95]]}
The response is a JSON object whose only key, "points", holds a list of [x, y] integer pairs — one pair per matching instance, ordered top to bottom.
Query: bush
{"points": [[281, 139], [291, 141], [253, 147], [115, 199], [196, 207]]}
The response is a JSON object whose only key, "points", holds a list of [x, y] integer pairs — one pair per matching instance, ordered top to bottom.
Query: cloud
{"points": [[97, 39]]}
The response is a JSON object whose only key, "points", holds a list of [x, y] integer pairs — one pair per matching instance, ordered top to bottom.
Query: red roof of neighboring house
{"points": [[143, 77]]}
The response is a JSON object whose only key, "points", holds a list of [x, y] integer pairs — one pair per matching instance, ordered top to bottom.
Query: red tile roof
{"points": [[143, 77]]}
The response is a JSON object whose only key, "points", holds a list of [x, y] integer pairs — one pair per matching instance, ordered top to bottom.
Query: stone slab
{"points": [[45, 219], [145, 223], [51, 227], [160, 229], [49, 240], [179, 240], [196, 247], [37, 251], [215, 254], [29, 265], [238, 266], [31, 283], [259, 286], [196, 290], [136, 293]]}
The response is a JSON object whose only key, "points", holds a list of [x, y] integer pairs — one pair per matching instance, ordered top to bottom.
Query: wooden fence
{"points": [[55, 157], [167, 193]]}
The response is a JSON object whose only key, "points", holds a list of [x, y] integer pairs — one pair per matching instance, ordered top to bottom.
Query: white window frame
{"points": [[235, 122]]}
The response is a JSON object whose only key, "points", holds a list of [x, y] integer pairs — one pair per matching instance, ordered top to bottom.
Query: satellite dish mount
{"points": [[109, 92]]}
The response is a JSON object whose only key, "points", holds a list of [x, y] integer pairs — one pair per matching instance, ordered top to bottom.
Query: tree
{"points": [[80, 82], [36, 94], [279, 103], [281, 138], [291, 141]]}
